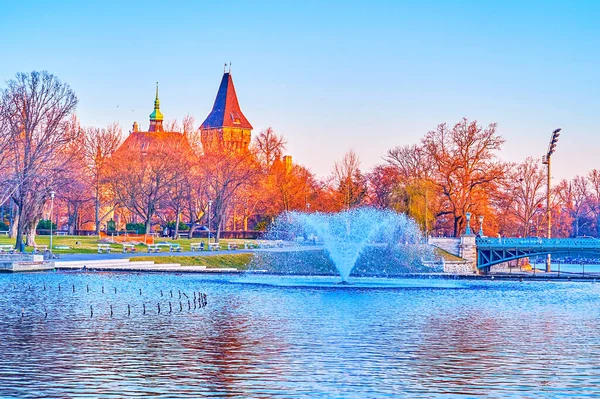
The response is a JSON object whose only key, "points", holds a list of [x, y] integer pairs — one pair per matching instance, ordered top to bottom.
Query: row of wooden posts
{"points": [[200, 300]]}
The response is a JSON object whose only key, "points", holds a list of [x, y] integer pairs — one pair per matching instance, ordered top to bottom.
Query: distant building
{"points": [[226, 125], [142, 141]]}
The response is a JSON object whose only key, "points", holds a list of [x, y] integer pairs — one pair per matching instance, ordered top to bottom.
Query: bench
{"points": [[5, 233], [60, 233], [183, 235], [169, 245], [250, 245], [196, 246], [213, 246], [232, 246], [40, 248], [104, 248], [128, 248], [153, 248], [7, 249]]}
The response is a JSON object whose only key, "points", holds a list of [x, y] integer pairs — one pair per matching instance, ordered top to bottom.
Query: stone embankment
{"points": [[463, 247], [30, 263]]}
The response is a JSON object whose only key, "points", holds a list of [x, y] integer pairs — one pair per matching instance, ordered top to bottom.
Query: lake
{"points": [[295, 337]]}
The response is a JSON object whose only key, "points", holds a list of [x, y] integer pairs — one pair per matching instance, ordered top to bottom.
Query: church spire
{"points": [[156, 117]]}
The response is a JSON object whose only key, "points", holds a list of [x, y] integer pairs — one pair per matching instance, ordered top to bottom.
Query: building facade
{"points": [[226, 127]]}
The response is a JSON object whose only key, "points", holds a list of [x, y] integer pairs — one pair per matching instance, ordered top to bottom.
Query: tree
{"points": [[35, 110], [97, 146], [269, 147], [411, 162], [465, 168], [225, 171], [143, 175], [349, 181], [383, 182], [525, 191], [574, 196], [594, 197]]}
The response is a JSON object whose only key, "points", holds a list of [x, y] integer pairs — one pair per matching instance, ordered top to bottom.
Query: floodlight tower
{"points": [[546, 161]]}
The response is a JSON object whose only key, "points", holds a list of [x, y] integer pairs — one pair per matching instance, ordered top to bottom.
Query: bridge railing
{"points": [[541, 242]]}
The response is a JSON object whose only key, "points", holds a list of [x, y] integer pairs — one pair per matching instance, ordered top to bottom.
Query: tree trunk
{"points": [[97, 206], [73, 216], [246, 223], [148, 225], [456, 226], [20, 229], [176, 229], [12, 232], [30, 232]]}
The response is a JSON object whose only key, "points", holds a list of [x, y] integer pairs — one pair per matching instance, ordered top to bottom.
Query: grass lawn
{"points": [[89, 244], [238, 261]]}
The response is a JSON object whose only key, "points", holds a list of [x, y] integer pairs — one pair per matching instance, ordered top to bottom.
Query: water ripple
{"points": [[418, 340]]}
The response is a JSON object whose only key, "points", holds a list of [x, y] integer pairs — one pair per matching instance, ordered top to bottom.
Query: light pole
{"points": [[546, 161], [209, 205], [307, 208], [51, 210], [480, 225], [468, 231]]}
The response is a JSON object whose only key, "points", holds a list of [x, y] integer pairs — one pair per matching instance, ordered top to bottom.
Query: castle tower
{"points": [[156, 117], [226, 125]]}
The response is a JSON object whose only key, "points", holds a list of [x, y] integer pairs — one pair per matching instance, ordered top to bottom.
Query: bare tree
{"points": [[35, 111], [97, 146], [269, 147], [410, 161], [465, 168], [225, 173], [142, 176], [349, 181], [525, 190], [574, 196]]}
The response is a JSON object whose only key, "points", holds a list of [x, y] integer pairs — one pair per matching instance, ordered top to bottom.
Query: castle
{"points": [[225, 126]]}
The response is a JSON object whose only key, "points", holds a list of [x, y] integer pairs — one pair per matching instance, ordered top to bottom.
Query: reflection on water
{"points": [[415, 338]]}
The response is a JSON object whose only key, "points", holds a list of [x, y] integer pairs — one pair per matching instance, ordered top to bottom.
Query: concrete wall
{"points": [[447, 244], [25, 262]]}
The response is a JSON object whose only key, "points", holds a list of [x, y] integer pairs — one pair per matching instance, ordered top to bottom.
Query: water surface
{"points": [[279, 337]]}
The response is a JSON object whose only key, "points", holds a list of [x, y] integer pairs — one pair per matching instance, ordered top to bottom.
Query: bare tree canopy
{"points": [[35, 110], [97, 146], [269, 146], [464, 164], [349, 181]]}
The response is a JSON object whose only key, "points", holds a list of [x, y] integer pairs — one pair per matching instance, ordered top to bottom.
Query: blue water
{"points": [[276, 337]]}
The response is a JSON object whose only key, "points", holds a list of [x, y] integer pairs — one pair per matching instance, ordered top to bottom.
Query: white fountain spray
{"points": [[345, 235]]}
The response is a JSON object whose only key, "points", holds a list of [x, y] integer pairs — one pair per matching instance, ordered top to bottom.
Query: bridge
{"points": [[492, 251]]}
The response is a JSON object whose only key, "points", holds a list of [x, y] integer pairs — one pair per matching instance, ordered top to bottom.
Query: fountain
{"points": [[380, 238]]}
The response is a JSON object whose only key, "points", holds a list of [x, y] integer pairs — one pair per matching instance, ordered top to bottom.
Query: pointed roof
{"points": [[226, 111], [156, 115]]}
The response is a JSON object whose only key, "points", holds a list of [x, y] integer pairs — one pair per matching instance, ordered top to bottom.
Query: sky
{"points": [[330, 76]]}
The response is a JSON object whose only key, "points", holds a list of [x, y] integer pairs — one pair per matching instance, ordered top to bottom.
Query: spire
{"points": [[226, 110], [156, 115]]}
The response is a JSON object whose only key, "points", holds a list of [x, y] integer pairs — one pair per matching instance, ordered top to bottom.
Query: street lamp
{"points": [[546, 161], [209, 205], [307, 208], [51, 210], [480, 225], [468, 231]]}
